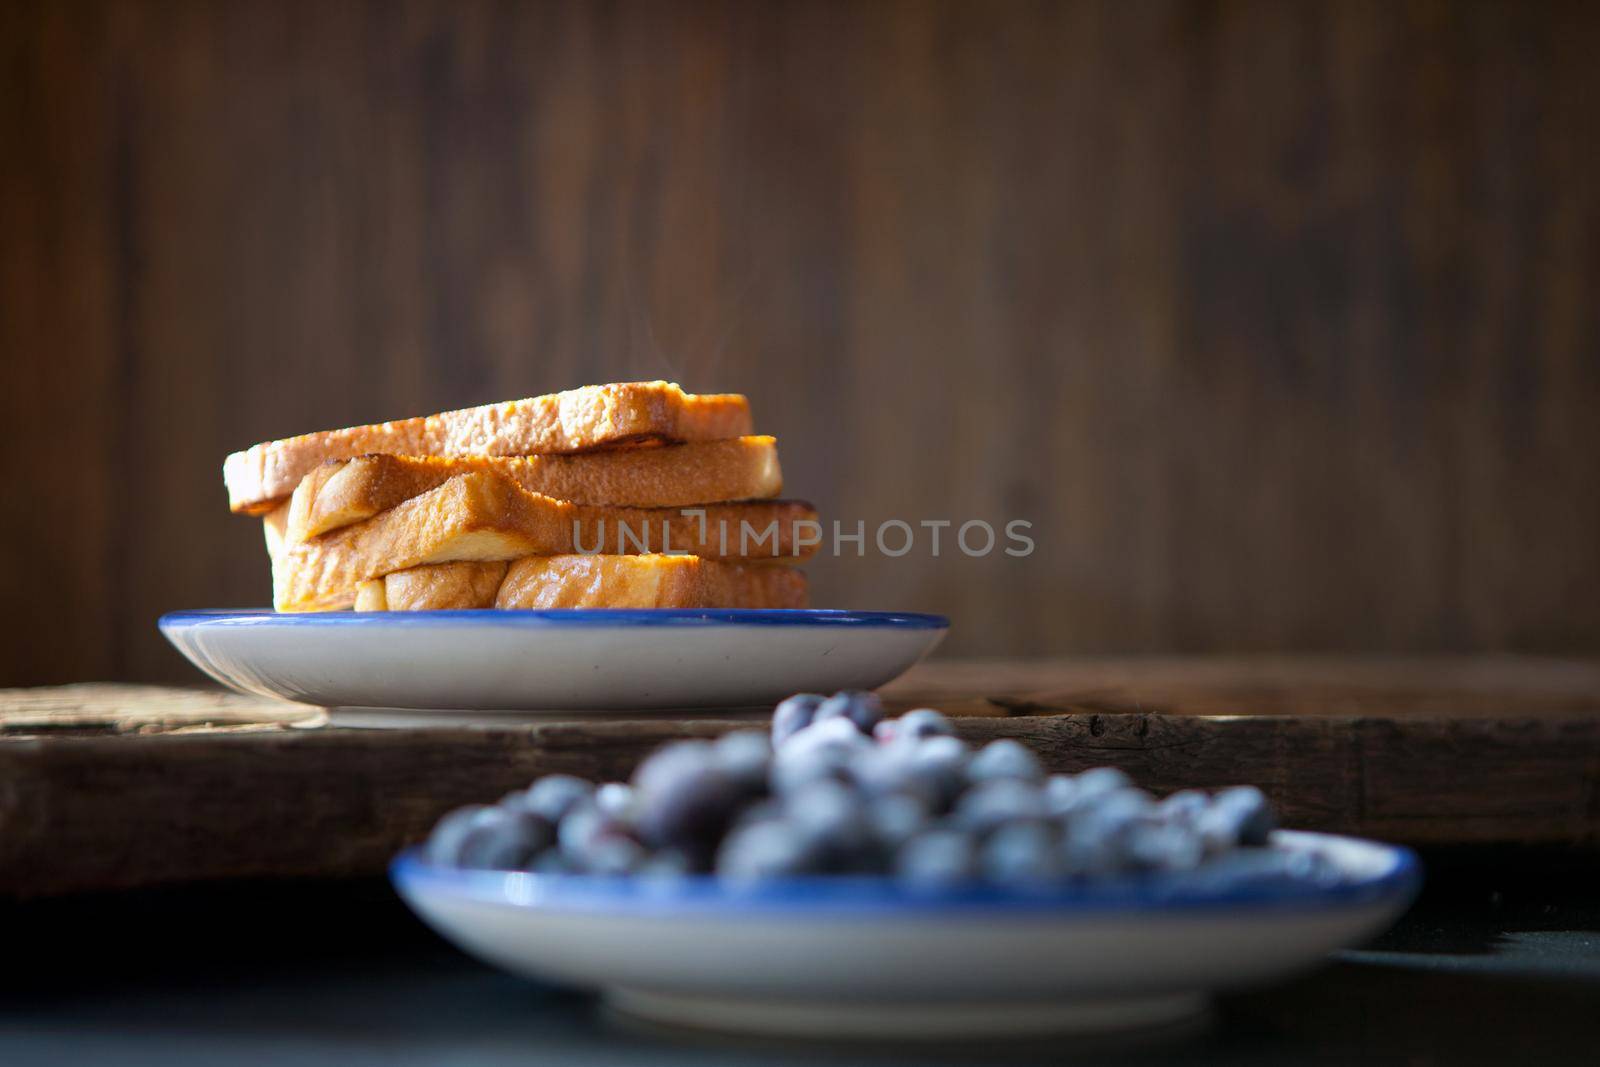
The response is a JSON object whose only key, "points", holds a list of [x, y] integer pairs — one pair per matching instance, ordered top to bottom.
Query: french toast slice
{"points": [[595, 416], [342, 492], [484, 516], [275, 528], [570, 581], [648, 582], [434, 587]]}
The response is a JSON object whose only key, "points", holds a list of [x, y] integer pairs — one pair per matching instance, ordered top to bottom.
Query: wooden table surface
{"points": [[111, 786]]}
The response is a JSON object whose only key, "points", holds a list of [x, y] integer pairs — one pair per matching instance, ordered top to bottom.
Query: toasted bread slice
{"points": [[595, 416], [341, 492], [483, 516], [275, 528], [648, 581], [434, 587]]}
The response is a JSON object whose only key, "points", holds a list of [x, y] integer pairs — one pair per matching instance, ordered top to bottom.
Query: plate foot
{"points": [[412, 718], [929, 1019]]}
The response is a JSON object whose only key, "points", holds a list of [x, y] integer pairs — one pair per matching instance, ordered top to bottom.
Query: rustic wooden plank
{"points": [[1451, 687], [101, 707], [208, 786]]}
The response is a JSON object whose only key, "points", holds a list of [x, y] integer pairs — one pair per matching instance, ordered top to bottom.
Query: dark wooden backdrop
{"points": [[1278, 321]]}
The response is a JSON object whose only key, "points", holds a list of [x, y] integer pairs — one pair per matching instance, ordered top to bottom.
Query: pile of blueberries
{"points": [[838, 789]]}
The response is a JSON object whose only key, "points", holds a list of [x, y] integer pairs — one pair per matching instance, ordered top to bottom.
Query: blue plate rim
{"points": [[512, 618], [1399, 879]]}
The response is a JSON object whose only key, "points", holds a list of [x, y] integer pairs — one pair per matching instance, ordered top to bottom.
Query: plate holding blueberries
{"points": [[818, 879]]}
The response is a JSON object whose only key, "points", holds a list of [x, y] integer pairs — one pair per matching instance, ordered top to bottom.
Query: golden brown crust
{"points": [[595, 416], [342, 492], [483, 516], [275, 528], [586, 582], [647, 582], [442, 586], [370, 595]]}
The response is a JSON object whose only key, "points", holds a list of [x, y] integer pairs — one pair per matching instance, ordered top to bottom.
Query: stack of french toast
{"points": [[631, 495]]}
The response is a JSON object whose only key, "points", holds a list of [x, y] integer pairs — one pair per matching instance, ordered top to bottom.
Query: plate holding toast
{"points": [[627, 498]]}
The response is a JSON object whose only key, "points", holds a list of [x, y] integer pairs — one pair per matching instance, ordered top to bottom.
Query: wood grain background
{"points": [[1278, 321]]}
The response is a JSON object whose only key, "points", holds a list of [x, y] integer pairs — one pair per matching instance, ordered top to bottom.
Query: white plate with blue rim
{"points": [[485, 667], [863, 957]]}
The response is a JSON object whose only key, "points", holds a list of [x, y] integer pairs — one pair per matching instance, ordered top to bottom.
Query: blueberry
{"points": [[860, 707], [793, 715], [923, 723], [917, 724], [837, 732], [826, 750], [948, 750], [745, 756], [1003, 759], [939, 765], [881, 768], [890, 769], [792, 771], [1099, 780], [1061, 794], [554, 795], [615, 799], [684, 799], [1117, 803], [988, 806], [1183, 808], [767, 810], [1112, 811], [1237, 816], [896, 818], [833, 819], [538, 829], [585, 829], [1100, 830], [502, 839], [444, 843], [1163, 846], [765, 850], [1092, 852], [1022, 854], [613, 856], [937, 858], [552, 861], [667, 865], [1308, 866], [1263, 867]]}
